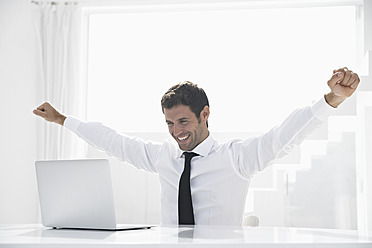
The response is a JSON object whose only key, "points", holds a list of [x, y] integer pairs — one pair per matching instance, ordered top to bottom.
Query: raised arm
{"points": [[49, 113], [259, 152], [141, 154]]}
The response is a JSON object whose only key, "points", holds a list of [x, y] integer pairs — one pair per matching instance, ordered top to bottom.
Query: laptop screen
{"points": [[76, 193]]}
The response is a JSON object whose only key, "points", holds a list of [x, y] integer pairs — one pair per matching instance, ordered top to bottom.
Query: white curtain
{"points": [[58, 28]]}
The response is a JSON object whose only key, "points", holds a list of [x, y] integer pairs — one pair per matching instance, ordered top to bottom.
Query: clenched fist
{"points": [[343, 84], [49, 113]]}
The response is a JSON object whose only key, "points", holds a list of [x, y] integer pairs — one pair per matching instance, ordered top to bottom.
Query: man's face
{"points": [[185, 128]]}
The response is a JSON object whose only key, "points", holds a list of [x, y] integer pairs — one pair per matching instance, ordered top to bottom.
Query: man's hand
{"points": [[343, 84], [49, 113]]}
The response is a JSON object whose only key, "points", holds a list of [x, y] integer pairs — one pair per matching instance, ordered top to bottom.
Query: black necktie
{"points": [[185, 209]]}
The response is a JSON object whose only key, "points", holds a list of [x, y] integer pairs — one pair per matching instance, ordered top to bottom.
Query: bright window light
{"points": [[256, 65]]}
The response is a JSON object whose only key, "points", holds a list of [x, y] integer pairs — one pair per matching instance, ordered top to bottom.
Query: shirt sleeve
{"points": [[322, 110], [140, 153], [257, 153]]}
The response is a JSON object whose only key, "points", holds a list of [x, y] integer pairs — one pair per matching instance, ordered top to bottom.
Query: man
{"points": [[209, 185]]}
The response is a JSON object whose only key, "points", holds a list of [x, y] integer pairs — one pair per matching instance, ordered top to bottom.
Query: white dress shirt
{"points": [[220, 176]]}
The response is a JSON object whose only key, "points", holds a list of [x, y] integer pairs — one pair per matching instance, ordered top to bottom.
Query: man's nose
{"points": [[177, 130]]}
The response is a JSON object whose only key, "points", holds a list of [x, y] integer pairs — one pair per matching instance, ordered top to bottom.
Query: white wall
{"points": [[18, 93]]}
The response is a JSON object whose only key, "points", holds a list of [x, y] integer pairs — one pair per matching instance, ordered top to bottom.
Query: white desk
{"points": [[200, 236]]}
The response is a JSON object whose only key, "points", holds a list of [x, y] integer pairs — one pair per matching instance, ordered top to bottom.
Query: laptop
{"points": [[78, 194]]}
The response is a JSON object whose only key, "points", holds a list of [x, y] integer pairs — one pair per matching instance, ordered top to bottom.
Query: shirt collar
{"points": [[204, 148]]}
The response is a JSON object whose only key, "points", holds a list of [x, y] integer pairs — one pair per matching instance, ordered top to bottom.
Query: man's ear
{"points": [[204, 114]]}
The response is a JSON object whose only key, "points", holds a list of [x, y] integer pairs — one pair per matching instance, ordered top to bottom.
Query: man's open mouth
{"points": [[183, 138]]}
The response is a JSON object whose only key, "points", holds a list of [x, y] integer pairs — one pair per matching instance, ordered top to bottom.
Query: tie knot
{"points": [[190, 155]]}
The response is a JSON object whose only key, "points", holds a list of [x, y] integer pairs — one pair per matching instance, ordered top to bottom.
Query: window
{"points": [[255, 65]]}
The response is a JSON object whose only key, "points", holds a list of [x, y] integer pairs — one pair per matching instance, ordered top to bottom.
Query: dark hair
{"points": [[185, 93]]}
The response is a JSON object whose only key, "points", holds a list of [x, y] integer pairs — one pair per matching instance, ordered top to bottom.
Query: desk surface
{"points": [[198, 236]]}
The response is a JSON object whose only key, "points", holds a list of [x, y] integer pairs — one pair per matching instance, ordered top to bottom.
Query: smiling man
{"points": [[204, 182]]}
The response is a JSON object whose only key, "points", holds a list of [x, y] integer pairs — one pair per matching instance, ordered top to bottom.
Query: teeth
{"points": [[183, 138]]}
